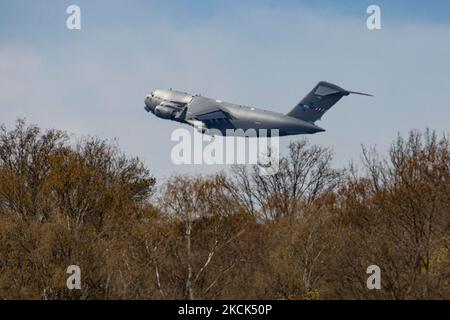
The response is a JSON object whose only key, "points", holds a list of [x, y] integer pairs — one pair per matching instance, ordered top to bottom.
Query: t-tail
{"points": [[320, 100]]}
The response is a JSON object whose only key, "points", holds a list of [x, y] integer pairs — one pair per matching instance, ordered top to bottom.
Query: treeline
{"points": [[308, 232]]}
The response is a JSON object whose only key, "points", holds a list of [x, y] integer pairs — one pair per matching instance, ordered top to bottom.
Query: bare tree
{"points": [[303, 176], [203, 208], [400, 208]]}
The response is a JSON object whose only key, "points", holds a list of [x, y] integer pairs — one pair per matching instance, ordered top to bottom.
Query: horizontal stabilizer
{"points": [[361, 93]]}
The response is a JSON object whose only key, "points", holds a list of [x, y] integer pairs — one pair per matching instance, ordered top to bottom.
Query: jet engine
{"points": [[165, 112]]}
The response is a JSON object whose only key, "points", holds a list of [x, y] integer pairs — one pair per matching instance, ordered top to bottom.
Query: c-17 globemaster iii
{"points": [[206, 113]]}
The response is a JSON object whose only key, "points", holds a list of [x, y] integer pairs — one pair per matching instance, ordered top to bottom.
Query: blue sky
{"points": [[20, 16], [263, 53]]}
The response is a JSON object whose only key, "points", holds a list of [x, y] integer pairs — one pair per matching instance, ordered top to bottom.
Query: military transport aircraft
{"points": [[206, 113]]}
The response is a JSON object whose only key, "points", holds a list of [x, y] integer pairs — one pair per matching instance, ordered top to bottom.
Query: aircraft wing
{"points": [[207, 110]]}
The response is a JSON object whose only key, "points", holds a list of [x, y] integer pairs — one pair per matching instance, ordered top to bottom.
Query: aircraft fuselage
{"points": [[174, 105], [205, 113]]}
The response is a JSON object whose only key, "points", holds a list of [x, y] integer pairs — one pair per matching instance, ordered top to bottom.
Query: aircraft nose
{"points": [[147, 102]]}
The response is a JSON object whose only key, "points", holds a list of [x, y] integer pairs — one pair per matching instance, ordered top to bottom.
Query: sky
{"points": [[268, 54]]}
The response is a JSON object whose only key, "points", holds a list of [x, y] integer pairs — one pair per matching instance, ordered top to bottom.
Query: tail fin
{"points": [[320, 100]]}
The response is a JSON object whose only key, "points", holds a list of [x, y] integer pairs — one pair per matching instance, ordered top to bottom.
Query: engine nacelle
{"points": [[165, 112]]}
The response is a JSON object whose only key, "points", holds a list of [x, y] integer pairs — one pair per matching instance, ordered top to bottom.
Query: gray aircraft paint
{"points": [[205, 113]]}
